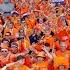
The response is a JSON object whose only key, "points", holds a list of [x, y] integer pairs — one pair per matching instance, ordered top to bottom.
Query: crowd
{"points": [[36, 35]]}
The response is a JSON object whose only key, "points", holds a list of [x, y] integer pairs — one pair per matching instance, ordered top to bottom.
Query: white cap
{"points": [[15, 12]]}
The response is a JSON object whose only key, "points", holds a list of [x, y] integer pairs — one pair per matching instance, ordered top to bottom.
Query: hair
{"points": [[14, 13], [24, 17], [52, 33], [47, 44], [30, 52], [20, 57]]}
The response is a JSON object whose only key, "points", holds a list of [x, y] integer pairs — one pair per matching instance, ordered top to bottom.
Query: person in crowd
{"points": [[35, 35]]}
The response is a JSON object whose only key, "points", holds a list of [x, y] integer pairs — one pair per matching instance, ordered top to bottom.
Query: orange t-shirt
{"points": [[24, 10], [68, 17], [30, 22], [16, 23], [28, 31], [61, 34], [49, 40], [26, 42], [21, 46], [38, 47], [59, 59], [4, 61], [28, 61], [40, 66], [22, 67]]}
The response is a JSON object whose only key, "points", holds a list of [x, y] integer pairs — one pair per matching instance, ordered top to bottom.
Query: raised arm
{"points": [[48, 53]]}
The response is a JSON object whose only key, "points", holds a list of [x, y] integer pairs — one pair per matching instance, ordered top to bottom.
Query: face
{"points": [[36, 14], [10, 26], [7, 35], [63, 46], [14, 50], [4, 52]]}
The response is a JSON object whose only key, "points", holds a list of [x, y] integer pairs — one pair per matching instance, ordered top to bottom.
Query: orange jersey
{"points": [[24, 10], [30, 23], [49, 40], [26, 42], [38, 47], [61, 59], [28, 61], [40, 66], [21, 67]]}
